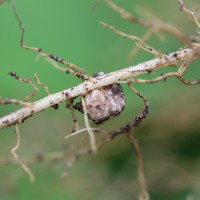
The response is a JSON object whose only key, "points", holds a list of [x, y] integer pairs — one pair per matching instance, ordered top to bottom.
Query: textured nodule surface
{"points": [[103, 103]]}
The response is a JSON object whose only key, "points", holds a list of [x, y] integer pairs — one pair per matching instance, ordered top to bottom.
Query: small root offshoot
{"points": [[189, 12], [140, 42], [28, 81], [42, 84], [8, 101], [75, 126], [89, 130], [81, 131], [17, 157], [143, 195]]}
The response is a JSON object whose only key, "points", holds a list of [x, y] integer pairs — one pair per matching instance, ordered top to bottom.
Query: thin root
{"points": [[96, 4], [189, 12], [155, 26], [138, 41], [80, 72], [164, 77], [28, 81], [42, 84], [8, 101], [143, 114], [75, 126], [82, 130], [89, 130], [18, 159], [144, 195]]}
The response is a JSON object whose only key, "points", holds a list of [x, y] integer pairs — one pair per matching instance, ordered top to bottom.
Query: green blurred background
{"points": [[169, 137]]}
